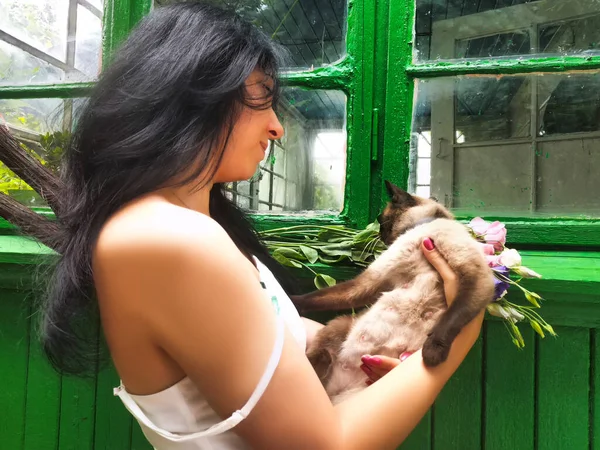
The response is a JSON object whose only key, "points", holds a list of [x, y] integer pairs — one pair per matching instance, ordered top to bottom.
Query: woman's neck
{"points": [[196, 200]]}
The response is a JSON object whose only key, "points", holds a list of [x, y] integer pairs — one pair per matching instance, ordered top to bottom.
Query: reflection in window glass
{"points": [[41, 24], [451, 29], [313, 32], [44, 41], [88, 42], [19, 67], [490, 108], [43, 127], [485, 161], [305, 170]]}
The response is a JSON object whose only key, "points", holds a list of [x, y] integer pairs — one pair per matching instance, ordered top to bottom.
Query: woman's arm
{"points": [[201, 302]]}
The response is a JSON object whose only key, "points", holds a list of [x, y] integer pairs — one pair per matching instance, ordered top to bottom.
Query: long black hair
{"points": [[173, 90]]}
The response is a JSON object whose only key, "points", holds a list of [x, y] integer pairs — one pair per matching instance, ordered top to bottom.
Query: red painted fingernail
{"points": [[428, 243], [404, 355], [371, 360], [365, 369]]}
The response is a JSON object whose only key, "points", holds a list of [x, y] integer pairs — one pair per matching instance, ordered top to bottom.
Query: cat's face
{"points": [[405, 211]]}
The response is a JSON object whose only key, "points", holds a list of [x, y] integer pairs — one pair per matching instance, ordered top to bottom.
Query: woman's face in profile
{"points": [[249, 140]]}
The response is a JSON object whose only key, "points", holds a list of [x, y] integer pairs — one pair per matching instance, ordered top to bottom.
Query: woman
{"points": [[196, 323]]}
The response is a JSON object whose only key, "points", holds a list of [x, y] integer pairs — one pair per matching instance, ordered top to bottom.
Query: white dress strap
{"points": [[232, 420]]}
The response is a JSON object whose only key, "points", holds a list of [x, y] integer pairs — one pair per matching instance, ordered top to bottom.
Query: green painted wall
{"points": [[541, 397]]}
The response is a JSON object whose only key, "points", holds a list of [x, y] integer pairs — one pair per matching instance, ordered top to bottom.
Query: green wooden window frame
{"points": [[353, 75], [555, 232]]}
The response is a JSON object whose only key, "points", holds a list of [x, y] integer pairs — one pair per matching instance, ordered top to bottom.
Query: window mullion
{"points": [[533, 33], [503, 66]]}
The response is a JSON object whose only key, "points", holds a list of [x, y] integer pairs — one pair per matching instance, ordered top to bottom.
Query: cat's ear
{"points": [[398, 196]]}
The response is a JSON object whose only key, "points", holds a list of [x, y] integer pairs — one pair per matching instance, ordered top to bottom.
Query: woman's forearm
{"points": [[385, 413]]}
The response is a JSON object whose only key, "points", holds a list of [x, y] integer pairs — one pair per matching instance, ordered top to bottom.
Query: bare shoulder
{"points": [[160, 230], [159, 235], [152, 249]]}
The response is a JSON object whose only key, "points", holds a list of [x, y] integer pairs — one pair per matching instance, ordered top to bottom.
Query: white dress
{"points": [[179, 418]]}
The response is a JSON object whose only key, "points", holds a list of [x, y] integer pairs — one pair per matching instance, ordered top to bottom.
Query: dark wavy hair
{"points": [[173, 90]]}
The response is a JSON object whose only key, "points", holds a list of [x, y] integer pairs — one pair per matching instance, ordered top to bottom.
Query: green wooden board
{"points": [[14, 349], [563, 387], [509, 390], [595, 390], [43, 401], [457, 411], [77, 414], [113, 421], [420, 438], [138, 440]]}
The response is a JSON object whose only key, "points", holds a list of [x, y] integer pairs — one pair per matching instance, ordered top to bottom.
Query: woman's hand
{"points": [[438, 262], [378, 365]]}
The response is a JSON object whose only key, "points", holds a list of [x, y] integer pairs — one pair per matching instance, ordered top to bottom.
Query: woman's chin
{"points": [[238, 176]]}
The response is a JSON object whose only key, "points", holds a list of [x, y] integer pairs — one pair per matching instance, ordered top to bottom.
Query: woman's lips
{"points": [[264, 146]]}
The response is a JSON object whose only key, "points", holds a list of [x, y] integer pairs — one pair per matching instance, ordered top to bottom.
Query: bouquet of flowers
{"points": [[308, 246], [505, 262]]}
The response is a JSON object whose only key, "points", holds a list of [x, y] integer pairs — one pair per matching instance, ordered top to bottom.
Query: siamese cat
{"points": [[408, 308]]}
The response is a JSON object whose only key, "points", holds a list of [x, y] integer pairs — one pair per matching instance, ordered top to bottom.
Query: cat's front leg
{"points": [[356, 293]]}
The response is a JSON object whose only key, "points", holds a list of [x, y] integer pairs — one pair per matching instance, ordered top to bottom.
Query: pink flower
{"points": [[493, 233], [488, 249], [493, 260]]}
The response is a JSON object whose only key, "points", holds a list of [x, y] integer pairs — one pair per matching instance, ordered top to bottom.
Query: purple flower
{"points": [[501, 285]]}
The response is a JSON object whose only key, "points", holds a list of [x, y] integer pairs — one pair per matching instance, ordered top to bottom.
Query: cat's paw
{"points": [[435, 351]]}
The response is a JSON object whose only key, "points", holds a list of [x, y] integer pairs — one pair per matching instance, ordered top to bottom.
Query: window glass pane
{"points": [[95, 3], [450, 29], [314, 32], [89, 40], [45, 41], [19, 67], [568, 103], [490, 108], [42, 126], [487, 161], [306, 169]]}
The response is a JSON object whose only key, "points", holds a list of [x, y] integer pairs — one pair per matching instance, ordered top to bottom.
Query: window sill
{"points": [[570, 283]]}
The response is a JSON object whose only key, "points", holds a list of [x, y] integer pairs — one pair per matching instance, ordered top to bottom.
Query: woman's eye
{"points": [[268, 89]]}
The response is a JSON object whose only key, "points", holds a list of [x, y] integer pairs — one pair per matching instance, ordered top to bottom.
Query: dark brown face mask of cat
{"points": [[405, 211]]}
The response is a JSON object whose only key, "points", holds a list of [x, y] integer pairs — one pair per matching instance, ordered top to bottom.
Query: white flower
{"points": [[510, 258], [526, 272], [496, 310], [516, 315]]}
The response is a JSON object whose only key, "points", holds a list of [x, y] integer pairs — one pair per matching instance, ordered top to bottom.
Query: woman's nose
{"points": [[275, 128]]}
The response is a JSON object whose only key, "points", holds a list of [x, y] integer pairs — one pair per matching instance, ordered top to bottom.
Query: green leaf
{"points": [[373, 226], [332, 232], [364, 236], [341, 248], [289, 253], [311, 254], [282, 259], [337, 260], [322, 281]]}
